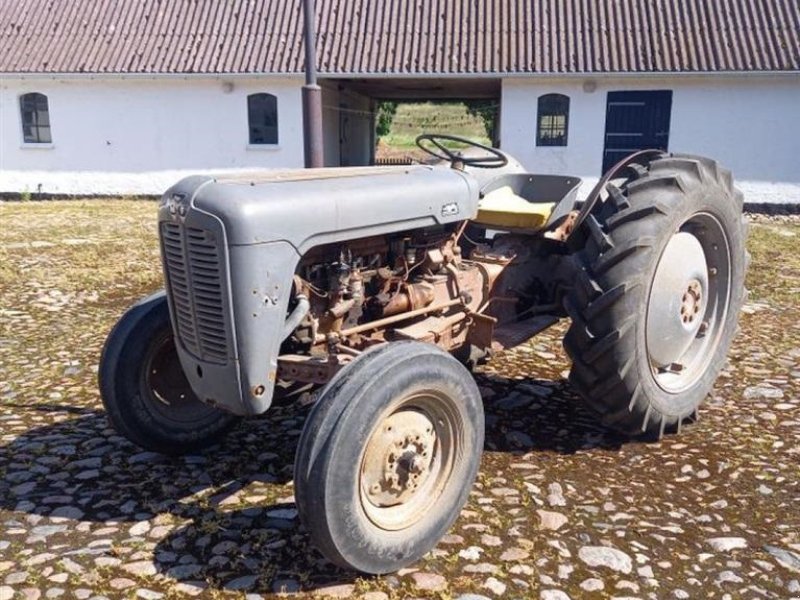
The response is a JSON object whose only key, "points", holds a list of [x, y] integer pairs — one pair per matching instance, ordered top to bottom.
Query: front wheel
{"points": [[661, 283], [145, 393], [388, 456]]}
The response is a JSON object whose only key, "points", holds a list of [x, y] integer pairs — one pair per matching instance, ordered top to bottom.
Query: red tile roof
{"points": [[400, 36]]}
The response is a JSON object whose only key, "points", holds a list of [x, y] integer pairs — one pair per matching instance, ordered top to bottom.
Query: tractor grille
{"points": [[193, 267]]}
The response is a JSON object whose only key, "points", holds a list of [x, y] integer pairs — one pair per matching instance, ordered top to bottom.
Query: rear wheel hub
{"points": [[676, 299], [688, 303]]}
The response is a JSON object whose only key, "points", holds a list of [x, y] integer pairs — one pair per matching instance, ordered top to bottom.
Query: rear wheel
{"points": [[661, 283], [144, 390], [388, 456]]}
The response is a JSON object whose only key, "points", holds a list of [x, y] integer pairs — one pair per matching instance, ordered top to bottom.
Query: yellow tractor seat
{"points": [[504, 209]]}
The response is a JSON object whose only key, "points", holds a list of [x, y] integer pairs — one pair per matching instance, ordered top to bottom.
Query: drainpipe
{"points": [[312, 93]]}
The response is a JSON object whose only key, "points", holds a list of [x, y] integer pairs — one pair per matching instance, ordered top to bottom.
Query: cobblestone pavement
{"points": [[562, 508]]}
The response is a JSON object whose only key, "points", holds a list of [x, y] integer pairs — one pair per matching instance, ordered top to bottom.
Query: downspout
{"points": [[312, 93]]}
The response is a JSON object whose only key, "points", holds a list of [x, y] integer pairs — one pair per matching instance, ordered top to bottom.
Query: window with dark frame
{"points": [[35, 118], [262, 118], [553, 120]]}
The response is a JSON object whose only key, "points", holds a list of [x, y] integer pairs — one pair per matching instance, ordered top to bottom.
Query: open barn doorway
{"points": [[375, 121]]}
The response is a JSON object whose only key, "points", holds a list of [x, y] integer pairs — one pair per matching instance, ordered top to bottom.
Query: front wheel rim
{"points": [[688, 304], [167, 394], [409, 459]]}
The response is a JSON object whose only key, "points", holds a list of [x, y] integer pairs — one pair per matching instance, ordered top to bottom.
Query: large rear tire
{"points": [[655, 307], [144, 390], [388, 456]]}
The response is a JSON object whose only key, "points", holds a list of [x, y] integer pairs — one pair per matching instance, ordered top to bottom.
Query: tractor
{"points": [[385, 286]]}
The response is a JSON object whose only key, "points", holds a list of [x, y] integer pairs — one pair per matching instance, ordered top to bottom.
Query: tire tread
{"points": [[620, 235]]}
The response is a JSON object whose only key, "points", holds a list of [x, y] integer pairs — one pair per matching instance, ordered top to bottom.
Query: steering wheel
{"points": [[495, 160]]}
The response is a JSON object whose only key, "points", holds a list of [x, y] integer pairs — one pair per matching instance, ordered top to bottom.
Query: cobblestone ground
{"points": [[562, 508]]}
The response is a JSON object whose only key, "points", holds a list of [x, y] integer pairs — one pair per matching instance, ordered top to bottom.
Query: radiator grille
{"points": [[193, 267]]}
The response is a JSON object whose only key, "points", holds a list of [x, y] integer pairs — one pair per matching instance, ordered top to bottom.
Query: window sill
{"points": [[36, 146], [263, 147]]}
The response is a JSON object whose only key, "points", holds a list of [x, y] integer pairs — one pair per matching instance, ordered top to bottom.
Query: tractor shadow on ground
{"points": [[541, 415], [518, 421], [80, 463], [234, 511], [237, 523]]}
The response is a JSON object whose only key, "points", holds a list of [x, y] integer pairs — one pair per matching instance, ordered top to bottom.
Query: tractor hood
{"points": [[318, 206], [230, 247]]}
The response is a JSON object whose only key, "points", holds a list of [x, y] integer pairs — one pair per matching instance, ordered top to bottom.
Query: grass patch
{"points": [[413, 119], [774, 275]]}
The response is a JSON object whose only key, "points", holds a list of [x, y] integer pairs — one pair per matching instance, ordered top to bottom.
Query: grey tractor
{"points": [[385, 286]]}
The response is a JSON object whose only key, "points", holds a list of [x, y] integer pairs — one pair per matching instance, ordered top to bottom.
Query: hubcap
{"points": [[676, 299], [688, 303], [407, 461]]}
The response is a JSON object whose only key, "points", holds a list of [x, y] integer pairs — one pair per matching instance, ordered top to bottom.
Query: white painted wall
{"points": [[751, 124], [139, 135]]}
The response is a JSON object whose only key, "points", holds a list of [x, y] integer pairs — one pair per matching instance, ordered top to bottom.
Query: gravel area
{"points": [[563, 508]]}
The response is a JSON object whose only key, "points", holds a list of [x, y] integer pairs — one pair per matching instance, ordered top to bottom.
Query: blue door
{"points": [[636, 121]]}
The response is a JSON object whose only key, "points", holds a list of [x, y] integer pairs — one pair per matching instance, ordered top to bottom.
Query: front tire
{"points": [[660, 286], [144, 390], [388, 456]]}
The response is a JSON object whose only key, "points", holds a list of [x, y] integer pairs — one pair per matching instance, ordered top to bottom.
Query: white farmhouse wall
{"points": [[751, 124], [139, 135]]}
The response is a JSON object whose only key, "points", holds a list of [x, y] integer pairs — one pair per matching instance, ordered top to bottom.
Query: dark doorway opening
{"points": [[636, 121]]}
